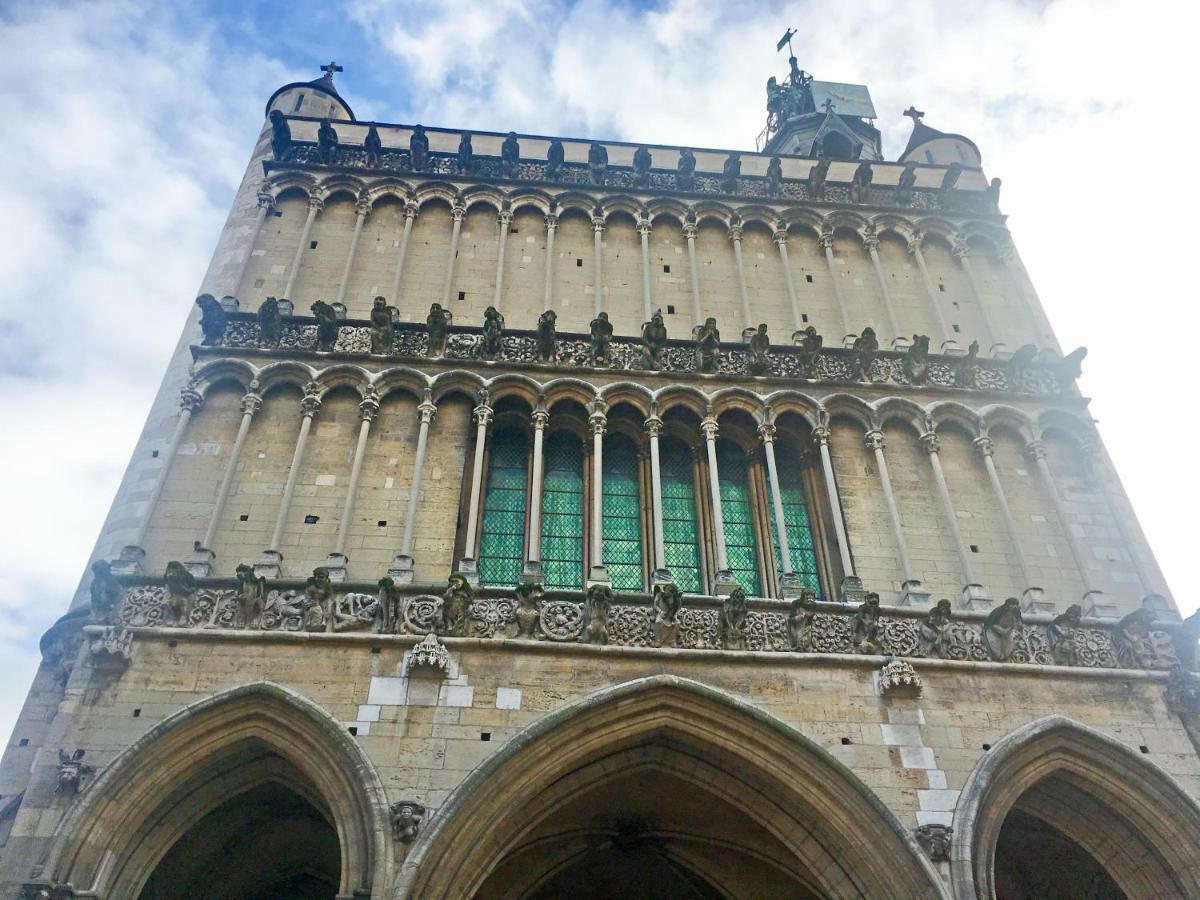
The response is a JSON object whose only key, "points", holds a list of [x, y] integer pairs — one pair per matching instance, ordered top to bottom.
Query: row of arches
{"points": [[659, 786]]}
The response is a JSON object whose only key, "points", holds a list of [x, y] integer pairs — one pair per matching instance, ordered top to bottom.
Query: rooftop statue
{"points": [[281, 135], [327, 143], [373, 145], [418, 149], [466, 154], [510, 155], [554, 158], [642, 160], [598, 162], [685, 172], [731, 172], [774, 175], [816, 179], [862, 181], [904, 187], [993, 196], [212, 319], [270, 323], [436, 323], [327, 325], [382, 333], [547, 341], [654, 341], [491, 344], [708, 347], [866, 348], [600, 350], [810, 352], [758, 360], [916, 360], [964, 367], [105, 592], [251, 595], [598, 602], [456, 606], [529, 609], [800, 620], [732, 621], [1000, 629], [933, 634], [1060, 635], [866, 637]]}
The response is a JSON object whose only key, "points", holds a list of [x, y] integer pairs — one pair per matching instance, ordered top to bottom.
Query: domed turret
{"points": [[318, 99], [938, 148]]}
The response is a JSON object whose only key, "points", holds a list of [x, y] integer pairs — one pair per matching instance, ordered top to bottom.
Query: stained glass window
{"points": [[562, 512], [622, 514], [738, 514], [795, 516], [681, 534], [502, 542]]}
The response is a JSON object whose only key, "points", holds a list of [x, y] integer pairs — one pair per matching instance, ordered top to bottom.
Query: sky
{"points": [[128, 126]]}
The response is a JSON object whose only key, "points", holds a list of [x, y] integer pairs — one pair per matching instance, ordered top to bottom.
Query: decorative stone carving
{"points": [[281, 135], [327, 143], [373, 147], [418, 149], [510, 156], [465, 158], [554, 158], [642, 161], [598, 162], [685, 171], [731, 173], [774, 176], [816, 179], [861, 183], [904, 186], [991, 199], [213, 319], [270, 323], [437, 323], [327, 325], [382, 332], [547, 340], [654, 342], [491, 344], [708, 346], [599, 348], [866, 349], [809, 358], [916, 359], [1019, 363], [964, 368], [1070, 368], [181, 588], [105, 591], [598, 600], [668, 600], [317, 602], [391, 604], [456, 606], [529, 610], [355, 612], [561, 620], [800, 620], [732, 623], [1000, 629], [865, 630], [933, 634], [1060, 635], [1185, 641], [1138, 647], [112, 648], [428, 653], [898, 678], [1182, 694], [72, 771], [406, 820], [934, 839]]}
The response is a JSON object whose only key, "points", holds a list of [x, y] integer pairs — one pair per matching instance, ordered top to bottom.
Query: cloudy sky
{"points": [[129, 124]]}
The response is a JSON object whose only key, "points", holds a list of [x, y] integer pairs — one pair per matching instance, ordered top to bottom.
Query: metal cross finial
{"points": [[331, 68], [828, 104], [915, 114]]}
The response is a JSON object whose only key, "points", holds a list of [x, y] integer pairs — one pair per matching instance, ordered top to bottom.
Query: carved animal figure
{"points": [[281, 135], [327, 143], [373, 146], [418, 149], [466, 154], [510, 155], [554, 158], [642, 161], [598, 162], [685, 172], [731, 172], [816, 179], [774, 181], [861, 182], [904, 187], [212, 319], [270, 323], [436, 324], [327, 325], [382, 332], [654, 341], [547, 342], [491, 345], [708, 347], [866, 348], [600, 349], [810, 352], [758, 360], [916, 360], [181, 586], [105, 592], [251, 595], [598, 600], [391, 606], [529, 609], [733, 621], [800, 621], [1000, 629], [933, 634], [865, 635], [1060, 635]]}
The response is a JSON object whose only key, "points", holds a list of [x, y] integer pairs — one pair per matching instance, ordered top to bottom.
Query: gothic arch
{"points": [[1129, 814], [836, 832], [111, 839]]}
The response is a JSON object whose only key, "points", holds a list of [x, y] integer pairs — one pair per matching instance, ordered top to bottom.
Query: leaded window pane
{"points": [[562, 512], [622, 512], [737, 512], [799, 528], [681, 533], [502, 541]]}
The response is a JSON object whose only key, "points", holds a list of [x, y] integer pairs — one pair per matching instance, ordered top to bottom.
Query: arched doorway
{"points": [[665, 788]]}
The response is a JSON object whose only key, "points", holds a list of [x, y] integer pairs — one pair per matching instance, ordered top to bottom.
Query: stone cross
{"points": [[331, 68], [915, 114]]}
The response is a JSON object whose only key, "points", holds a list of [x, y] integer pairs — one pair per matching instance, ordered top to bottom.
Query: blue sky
{"points": [[128, 126]]}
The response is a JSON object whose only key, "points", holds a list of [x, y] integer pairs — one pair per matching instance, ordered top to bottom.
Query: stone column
{"points": [[266, 204], [315, 205], [361, 209], [458, 211], [410, 215], [505, 219], [551, 227], [643, 227], [689, 232], [735, 235], [780, 237], [826, 239], [871, 243], [914, 247], [962, 252], [598, 269], [368, 410], [598, 421], [653, 429], [1036, 450], [132, 554], [272, 557], [200, 563], [533, 563], [402, 565], [468, 565], [789, 581], [725, 582], [852, 588], [911, 593], [973, 595], [1033, 596]]}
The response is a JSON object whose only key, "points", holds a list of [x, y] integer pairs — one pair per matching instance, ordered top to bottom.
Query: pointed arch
{"points": [[1148, 831], [110, 840], [846, 841]]}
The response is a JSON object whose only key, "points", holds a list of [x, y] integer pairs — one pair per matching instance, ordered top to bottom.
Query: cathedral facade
{"points": [[525, 516]]}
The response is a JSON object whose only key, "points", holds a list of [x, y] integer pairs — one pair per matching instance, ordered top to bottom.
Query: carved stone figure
{"points": [[281, 135], [327, 143], [373, 147], [418, 149], [510, 156], [554, 158], [465, 159], [642, 160], [598, 162], [685, 172], [731, 173], [816, 179], [950, 179], [774, 182], [861, 183], [904, 187], [991, 199], [212, 319], [270, 323], [436, 324], [327, 325], [382, 332], [547, 341], [654, 341], [491, 344], [708, 347], [600, 348], [866, 348], [809, 356], [758, 359], [916, 360], [1018, 365], [964, 367], [1071, 367], [181, 588], [105, 592], [318, 594], [251, 595], [598, 600], [668, 600], [391, 606], [456, 606], [529, 609], [354, 612], [801, 616], [732, 621], [865, 628], [1000, 629], [933, 634], [1060, 635], [1184, 639], [1136, 646], [428, 654], [898, 678], [1182, 694], [72, 771], [406, 820], [934, 839]]}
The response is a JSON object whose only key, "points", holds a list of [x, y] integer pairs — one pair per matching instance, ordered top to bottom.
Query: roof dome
{"points": [[318, 98]]}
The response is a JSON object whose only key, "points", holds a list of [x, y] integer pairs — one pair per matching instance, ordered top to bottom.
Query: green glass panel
{"points": [[562, 512], [622, 514], [738, 515], [799, 527], [681, 534], [502, 540]]}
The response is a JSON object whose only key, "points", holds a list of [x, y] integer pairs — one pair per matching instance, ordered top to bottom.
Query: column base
{"points": [[951, 348], [129, 562], [200, 562], [335, 563], [268, 565], [469, 568], [401, 569], [531, 572], [598, 575], [661, 576], [725, 583], [789, 586], [852, 590], [912, 594], [975, 598], [1033, 600], [1097, 606], [1162, 608]]}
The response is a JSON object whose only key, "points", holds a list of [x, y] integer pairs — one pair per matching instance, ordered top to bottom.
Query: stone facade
{"points": [[339, 688]]}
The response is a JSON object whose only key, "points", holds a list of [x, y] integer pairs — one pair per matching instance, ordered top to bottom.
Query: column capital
{"points": [[266, 200], [315, 204], [362, 208], [411, 209], [458, 211], [504, 219], [551, 221], [597, 223], [643, 225], [689, 230], [735, 232], [780, 236], [826, 240], [870, 242], [914, 243], [961, 249], [190, 399], [252, 401], [310, 404], [368, 408], [427, 409], [483, 415], [541, 418], [598, 423], [654, 427], [711, 429], [766, 433], [821, 435], [874, 439], [931, 442], [984, 445], [1036, 449]]}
